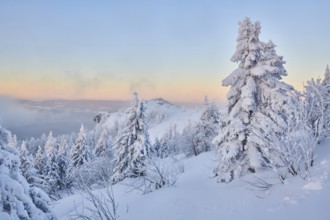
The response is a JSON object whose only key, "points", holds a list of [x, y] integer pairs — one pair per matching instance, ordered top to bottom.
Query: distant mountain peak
{"points": [[160, 101]]}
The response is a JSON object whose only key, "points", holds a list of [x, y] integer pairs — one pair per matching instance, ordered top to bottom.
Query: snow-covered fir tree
{"points": [[326, 80], [326, 83], [256, 105], [207, 128], [190, 140], [169, 143], [50, 144], [103, 144], [32, 146], [157, 146], [132, 147], [80, 152], [51, 154], [40, 161], [63, 163], [40, 164], [27, 167], [53, 169], [18, 199]]}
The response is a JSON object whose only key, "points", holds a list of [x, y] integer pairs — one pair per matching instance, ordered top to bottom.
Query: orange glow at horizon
{"points": [[176, 91]]}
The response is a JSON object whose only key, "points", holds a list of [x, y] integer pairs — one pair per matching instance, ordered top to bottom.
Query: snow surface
{"points": [[198, 196]]}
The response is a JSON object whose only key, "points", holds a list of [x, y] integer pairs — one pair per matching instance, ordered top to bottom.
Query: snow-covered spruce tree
{"points": [[326, 80], [326, 83], [315, 100], [256, 105], [207, 128], [191, 140], [50, 143], [169, 143], [103, 145], [32, 146], [156, 146], [132, 147], [50, 152], [80, 152], [80, 155], [41, 160], [63, 162], [40, 164], [48, 165], [27, 168], [53, 169], [18, 200]]}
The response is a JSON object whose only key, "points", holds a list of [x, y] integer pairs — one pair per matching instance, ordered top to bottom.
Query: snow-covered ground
{"points": [[198, 196]]}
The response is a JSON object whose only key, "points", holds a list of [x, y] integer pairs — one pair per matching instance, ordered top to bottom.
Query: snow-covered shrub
{"points": [[315, 102], [293, 153], [96, 173], [159, 173], [101, 205]]}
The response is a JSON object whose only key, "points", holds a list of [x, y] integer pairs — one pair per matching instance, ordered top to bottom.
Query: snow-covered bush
{"points": [[315, 102], [293, 153], [96, 173], [159, 173], [101, 205]]}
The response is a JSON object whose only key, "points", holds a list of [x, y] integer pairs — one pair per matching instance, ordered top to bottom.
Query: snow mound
{"points": [[315, 185]]}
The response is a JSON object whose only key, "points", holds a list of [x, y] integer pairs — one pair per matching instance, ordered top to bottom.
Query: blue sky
{"points": [[179, 50]]}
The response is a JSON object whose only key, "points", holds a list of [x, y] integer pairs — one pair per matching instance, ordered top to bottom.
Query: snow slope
{"points": [[197, 196]]}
